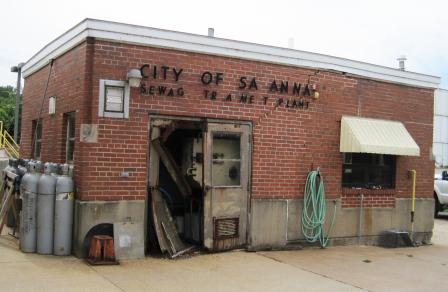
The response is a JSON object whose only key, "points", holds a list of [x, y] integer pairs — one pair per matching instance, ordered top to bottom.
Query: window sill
{"points": [[118, 115]]}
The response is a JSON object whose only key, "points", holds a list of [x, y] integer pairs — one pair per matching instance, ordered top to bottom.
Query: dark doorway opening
{"points": [[182, 142]]}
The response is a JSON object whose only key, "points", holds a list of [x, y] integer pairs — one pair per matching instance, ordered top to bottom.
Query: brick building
{"points": [[242, 123]]}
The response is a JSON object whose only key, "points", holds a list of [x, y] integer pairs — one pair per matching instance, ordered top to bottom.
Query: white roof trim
{"points": [[146, 36]]}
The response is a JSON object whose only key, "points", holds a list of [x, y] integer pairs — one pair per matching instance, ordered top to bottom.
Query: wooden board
{"points": [[171, 166], [7, 198], [156, 198], [166, 230]]}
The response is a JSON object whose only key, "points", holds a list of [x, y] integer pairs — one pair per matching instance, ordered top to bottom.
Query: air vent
{"points": [[226, 228]]}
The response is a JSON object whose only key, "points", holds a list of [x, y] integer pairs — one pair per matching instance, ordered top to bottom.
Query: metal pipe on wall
{"points": [[360, 217]]}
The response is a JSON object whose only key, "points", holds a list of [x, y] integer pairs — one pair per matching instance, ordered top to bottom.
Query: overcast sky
{"points": [[371, 31]]}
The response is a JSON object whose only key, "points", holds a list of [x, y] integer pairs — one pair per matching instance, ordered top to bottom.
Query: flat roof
{"points": [[154, 37]]}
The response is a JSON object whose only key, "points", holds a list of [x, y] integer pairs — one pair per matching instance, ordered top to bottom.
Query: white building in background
{"points": [[440, 138]]}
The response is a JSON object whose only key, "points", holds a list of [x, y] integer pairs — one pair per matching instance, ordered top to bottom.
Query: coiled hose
{"points": [[314, 210]]}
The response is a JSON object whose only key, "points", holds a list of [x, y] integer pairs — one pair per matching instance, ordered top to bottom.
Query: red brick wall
{"points": [[68, 83], [287, 143], [351, 198]]}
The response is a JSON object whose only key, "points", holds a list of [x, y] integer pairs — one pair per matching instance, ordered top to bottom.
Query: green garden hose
{"points": [[314, 210]]}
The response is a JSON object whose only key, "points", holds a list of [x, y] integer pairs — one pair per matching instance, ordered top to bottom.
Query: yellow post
{"points": [[414, 176]]}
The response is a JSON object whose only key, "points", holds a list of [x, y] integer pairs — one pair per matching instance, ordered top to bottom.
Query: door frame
{"points": [[154, 117]]}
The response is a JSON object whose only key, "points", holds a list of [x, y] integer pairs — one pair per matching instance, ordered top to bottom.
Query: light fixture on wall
{"points": [[134, 76], [316, 93], [52, 105]]}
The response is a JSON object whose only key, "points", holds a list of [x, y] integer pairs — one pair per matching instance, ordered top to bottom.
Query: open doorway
{"points": [[185, 145], [198, 182], [176, 186]]}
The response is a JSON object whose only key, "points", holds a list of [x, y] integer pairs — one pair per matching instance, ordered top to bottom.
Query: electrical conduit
{"points": [[314, 210]]}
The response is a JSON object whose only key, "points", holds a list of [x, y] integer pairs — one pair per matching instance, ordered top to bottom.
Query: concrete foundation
{"points": [[88, 214], [277, 223], [129, 240]]}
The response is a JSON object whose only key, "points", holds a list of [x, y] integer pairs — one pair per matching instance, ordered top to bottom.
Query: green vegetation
{"points": [[7, 105]]}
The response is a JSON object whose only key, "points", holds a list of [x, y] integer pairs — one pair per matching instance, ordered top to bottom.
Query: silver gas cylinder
{"points": [[15, 165], [23, 166], [38, 166], [54, 169], [71, 170], [45, 211], [63, 213], [28, 215]]}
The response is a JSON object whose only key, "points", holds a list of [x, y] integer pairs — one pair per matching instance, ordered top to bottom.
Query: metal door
{"points": [[226, 180]]}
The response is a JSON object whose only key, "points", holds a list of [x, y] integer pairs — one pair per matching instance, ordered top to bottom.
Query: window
{"points": [[113, 99], [51, 105], [70, 137], [36, 139], [226, 165], [372, 171]]}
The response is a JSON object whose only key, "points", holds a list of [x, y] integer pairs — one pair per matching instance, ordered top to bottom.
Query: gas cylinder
{"points": [[15, 165], [23, 166], [38, 167], [54, 169], [71, 170], [27, 173], [46, 189], [29, 206], [63, 213]]}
